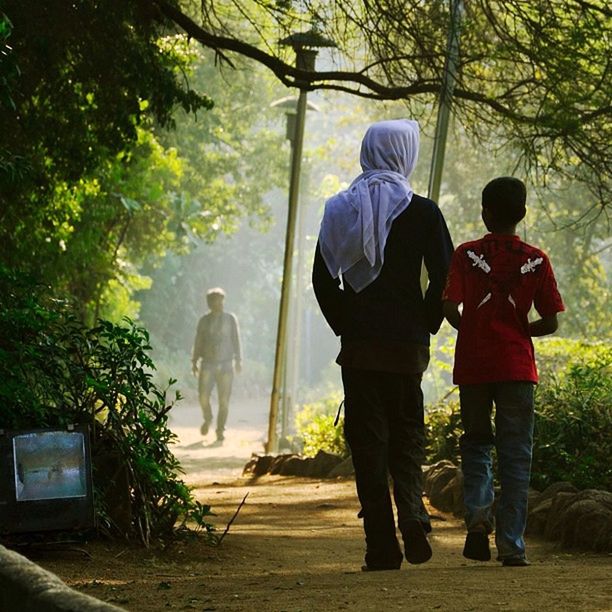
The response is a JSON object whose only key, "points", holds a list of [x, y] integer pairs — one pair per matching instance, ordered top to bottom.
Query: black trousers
{"points": [[384, 429]]}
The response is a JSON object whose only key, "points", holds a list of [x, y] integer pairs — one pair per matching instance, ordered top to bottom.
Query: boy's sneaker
{"points": [[204, 428], [416, 545], [477, 546], [515, 562]]}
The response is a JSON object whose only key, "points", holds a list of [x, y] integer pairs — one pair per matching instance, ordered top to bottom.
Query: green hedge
{"points": [[573, 418], [573, 428], [316, 430], [442, 431]]}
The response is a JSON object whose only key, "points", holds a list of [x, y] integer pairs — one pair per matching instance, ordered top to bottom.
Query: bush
{"points": [[54, 371], [573, 414], [573, 417], [316, 430], [443, 430]]}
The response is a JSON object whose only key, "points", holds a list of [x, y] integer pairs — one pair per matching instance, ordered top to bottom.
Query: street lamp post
{"points": [[306, 47], [290, 370]]}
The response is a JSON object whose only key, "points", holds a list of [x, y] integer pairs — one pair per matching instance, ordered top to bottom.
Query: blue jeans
{"points": [[513, 439]]}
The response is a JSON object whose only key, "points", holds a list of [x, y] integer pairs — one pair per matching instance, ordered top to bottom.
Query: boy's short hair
{"points": [[505, 197], [215, 291]]}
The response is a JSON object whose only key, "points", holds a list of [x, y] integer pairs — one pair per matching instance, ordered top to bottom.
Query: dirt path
{"points": [[297, 545]]}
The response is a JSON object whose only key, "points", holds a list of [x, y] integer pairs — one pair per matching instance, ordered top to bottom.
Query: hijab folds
{"points": [[357, 221]]}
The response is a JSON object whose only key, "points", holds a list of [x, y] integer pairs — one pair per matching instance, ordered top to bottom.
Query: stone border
{"points": [[324, 465], [576, 519], [27, 587]]}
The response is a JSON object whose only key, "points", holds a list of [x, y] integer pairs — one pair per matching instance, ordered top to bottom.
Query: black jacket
{"points": [[392, 308]]}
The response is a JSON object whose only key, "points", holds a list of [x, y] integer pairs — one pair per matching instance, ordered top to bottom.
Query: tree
{"points": [[535, 73], [78, 80]]}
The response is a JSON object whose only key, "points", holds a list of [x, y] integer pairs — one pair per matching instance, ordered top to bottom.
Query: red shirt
{"points": [[497, 279]]}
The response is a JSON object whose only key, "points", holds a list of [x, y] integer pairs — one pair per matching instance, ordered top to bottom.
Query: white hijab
{"points": [[357, 222]]}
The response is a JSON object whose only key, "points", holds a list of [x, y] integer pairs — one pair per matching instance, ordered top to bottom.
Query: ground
{"points": [[297, 545]]}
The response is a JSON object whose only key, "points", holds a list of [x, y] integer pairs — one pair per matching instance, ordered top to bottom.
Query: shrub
{"points": [[55, 371], [573, 414], [573, 417], [316, 430], [442, 431]]}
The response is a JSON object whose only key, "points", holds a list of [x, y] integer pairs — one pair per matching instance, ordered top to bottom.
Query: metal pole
{"points": [[449, 79], [448, 85], [294, 187], [297, 314], [286, 396]]}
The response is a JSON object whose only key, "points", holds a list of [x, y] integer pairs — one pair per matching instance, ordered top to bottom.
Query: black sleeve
{"points": [[438, 252], [328, 293]]}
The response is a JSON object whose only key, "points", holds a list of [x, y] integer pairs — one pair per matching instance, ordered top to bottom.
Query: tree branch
{"points": [[286, 73], [309, 81]]}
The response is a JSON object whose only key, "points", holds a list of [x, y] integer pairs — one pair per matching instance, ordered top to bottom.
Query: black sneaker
{"points": [[204, 428], [416, 545], [477, 546], [515, 562]]}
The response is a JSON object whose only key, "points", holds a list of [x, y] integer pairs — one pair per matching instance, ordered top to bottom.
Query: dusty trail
{"points": [[297, 545]]}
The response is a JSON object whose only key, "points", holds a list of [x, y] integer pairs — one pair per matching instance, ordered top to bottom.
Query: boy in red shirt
{"points": [[497, 279]]}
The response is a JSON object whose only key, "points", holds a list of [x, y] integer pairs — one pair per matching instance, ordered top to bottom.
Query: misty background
{"points": [[238, 165]]}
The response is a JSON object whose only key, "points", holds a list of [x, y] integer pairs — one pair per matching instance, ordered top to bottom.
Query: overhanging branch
{"points": [[286, 73], [356, 83]]}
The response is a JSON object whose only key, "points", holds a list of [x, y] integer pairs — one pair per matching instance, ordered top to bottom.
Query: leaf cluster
{"points": [[89, 74], [574, 415], [317, 430], [442, 432]]}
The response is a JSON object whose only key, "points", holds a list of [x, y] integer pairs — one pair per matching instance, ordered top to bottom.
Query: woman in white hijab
{"points": [[357, 221], [373, 239]]}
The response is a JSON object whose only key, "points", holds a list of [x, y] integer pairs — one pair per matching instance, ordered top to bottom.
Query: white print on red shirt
{"points": [[479, 261], [530, 266]]}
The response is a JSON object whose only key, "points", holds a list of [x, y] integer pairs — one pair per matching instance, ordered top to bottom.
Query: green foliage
{"points": [[85, 69], [233, 154], [92, 183], [86, 189], [113, 222], [54, 371], [573, 415], [315, 427], [442, 431]]}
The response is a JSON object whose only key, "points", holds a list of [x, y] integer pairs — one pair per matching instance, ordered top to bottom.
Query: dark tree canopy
{"points": [[535, 74]]}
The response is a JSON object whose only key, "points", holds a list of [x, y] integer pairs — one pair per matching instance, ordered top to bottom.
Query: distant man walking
{"points": [[217, 349]]}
